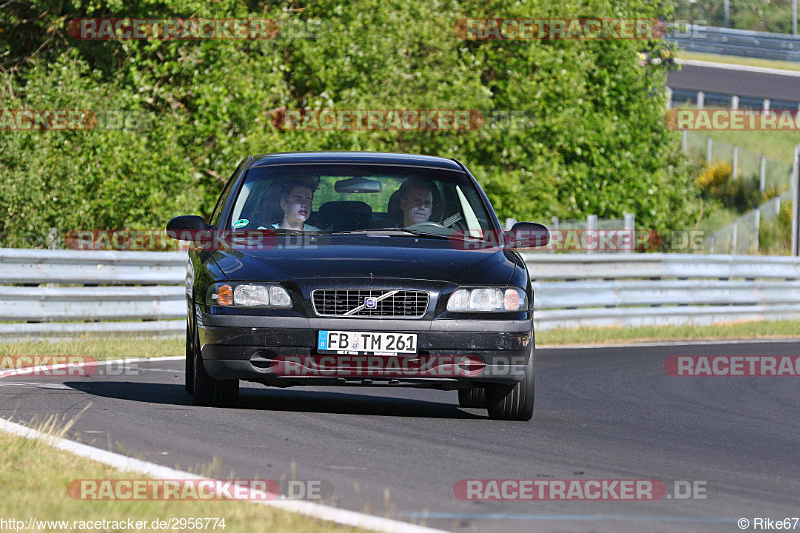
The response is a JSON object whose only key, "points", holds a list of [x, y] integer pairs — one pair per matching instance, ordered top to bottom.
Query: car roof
{"points": [[363, 158]]}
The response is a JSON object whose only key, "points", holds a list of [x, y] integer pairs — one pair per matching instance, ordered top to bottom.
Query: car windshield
{"points": [[342, 198]]}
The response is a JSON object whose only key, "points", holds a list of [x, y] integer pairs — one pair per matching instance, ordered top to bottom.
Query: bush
{"points": [[597, 144], [741, 194], [775, 236]]}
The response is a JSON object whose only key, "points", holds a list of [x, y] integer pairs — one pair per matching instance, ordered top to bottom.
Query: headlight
{"points": [[249, 295], [488, 299]]}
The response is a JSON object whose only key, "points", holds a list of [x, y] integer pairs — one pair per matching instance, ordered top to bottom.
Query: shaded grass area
{"points": [[735, 330], [103, 348], [40, 475]]}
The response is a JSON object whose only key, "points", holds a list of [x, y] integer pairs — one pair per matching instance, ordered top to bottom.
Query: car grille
{"points": [[385, 303]]}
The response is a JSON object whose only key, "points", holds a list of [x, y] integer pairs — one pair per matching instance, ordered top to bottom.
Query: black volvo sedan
{"points": [[356, 268]]}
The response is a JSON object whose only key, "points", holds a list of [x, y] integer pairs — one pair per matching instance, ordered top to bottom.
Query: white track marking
{"points": [[742, 68], [127, 464]]}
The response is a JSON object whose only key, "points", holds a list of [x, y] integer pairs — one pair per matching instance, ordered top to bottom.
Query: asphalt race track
{"points": [[742, 83], [601, 413]]}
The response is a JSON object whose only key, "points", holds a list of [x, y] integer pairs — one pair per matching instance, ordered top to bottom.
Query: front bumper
{"points": [[453, 353]]}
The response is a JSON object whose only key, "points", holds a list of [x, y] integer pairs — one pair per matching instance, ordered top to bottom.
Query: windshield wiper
{"points": [[381, 230], [416, 232]]}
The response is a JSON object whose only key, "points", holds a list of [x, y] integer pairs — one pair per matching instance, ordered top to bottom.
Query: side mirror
{"points": [[184, 228], [529, 235]]}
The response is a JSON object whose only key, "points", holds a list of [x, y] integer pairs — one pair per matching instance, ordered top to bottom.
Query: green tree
{"points": [[596, 142]]}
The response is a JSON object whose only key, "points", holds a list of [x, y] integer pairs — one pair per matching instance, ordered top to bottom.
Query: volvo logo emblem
{"points": [[370, 303]]}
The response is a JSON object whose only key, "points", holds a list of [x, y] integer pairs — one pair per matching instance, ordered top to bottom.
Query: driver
{"points": [[296, 198], [416, 202]]}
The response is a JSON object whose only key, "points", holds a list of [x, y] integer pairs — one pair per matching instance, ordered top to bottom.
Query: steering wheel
{"points": [[432, 227]]}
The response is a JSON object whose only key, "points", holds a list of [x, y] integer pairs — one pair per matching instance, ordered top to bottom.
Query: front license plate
{"points": [[365, 342]]}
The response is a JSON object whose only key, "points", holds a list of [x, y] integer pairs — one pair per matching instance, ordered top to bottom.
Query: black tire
{"points": [[188, 376], [208, 391], [474, 397], [513, 402]]}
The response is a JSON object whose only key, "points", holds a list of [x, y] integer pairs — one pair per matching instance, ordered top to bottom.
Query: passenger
{"points": [[296, 199]]}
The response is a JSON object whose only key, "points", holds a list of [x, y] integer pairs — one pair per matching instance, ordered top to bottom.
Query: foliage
{"points": [[757, 15], [597, 143], [714, 177], [741, 194], [775, 236]]}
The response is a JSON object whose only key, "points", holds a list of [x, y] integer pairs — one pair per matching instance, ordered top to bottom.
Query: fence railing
{"points": [[713, 40], [602, 290], [65, 291], [50, 292]]}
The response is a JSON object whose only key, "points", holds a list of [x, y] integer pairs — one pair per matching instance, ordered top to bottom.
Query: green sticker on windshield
{"points": [[242, 222]]}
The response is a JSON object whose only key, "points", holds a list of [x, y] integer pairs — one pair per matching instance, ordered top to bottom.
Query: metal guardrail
{"points": [[743, 43], [622, 290], [68, 292], [118, 292]]}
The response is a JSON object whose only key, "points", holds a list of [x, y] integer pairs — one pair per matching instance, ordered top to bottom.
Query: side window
{"points": [[223, 197]]}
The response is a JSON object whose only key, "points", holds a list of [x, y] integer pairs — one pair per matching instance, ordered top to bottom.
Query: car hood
{"points": [[392, 258]]}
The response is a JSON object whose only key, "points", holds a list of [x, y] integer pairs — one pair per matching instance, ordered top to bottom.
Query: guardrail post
{"points": [[727, 13], [794, 17], [669, 98], [701, 99], [734, 102], [767, 103], [685, 141], [708, 151], [735, 161], [762, 183], [630, 222], [510, 223], [555, 223], [757, 224], [591, 229], [734, 237]]}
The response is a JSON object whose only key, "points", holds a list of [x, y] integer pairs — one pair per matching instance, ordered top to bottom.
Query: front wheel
{"points": [[208, 391], [513, 402]]}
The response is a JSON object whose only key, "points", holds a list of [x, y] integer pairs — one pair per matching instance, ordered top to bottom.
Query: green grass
{"points": [[734, 60], [776, 145], [718, 219], [733, 330], [99, 347], [123, 347], [36, 476]]}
